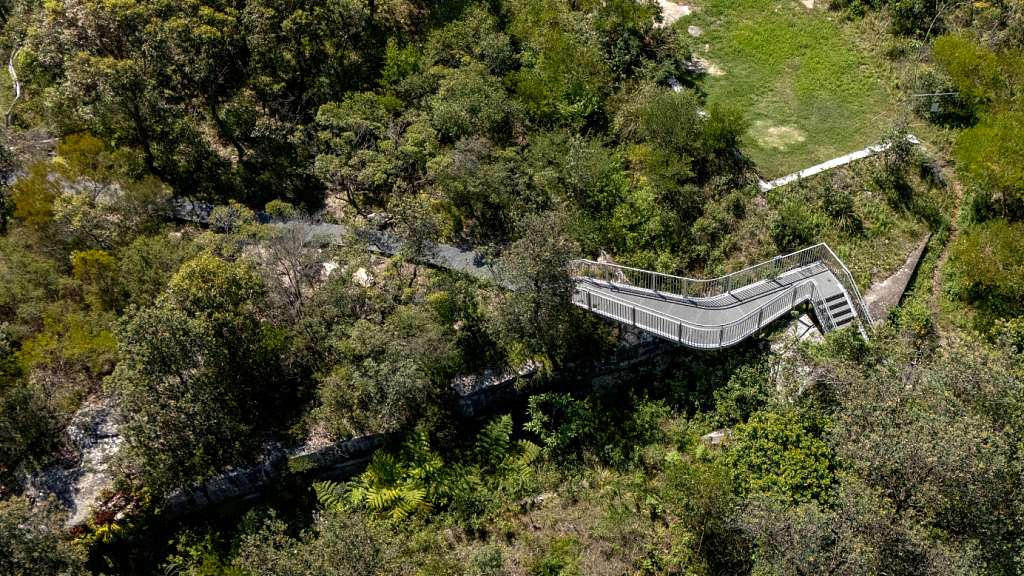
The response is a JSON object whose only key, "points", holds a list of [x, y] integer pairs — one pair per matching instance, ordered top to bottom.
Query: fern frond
{"points": [[492, 443], [416, 448], [528, 451], [330, 495], [384, 498], [410, 502]]}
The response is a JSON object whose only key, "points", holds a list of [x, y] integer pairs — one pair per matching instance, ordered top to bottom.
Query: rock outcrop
{"points": [[94, 436]]}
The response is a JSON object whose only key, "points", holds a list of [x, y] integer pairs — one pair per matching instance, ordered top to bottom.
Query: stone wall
{"points": [[94, 430]]}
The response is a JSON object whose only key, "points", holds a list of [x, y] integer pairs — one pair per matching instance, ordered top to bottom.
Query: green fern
{"points": [[492, 443], [504, 464], [414, 482], [330, 495]]}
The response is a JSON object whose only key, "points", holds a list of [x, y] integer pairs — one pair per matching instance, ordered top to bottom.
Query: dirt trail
{"points": [[933, 301]]}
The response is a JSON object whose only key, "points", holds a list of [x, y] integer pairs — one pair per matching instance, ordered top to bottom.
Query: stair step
{"points": [[836, 297], [839, 305], [842, 313], [843, 322]]}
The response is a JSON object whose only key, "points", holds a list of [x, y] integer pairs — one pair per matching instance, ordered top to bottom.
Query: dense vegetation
{"points": [[534, 132]]}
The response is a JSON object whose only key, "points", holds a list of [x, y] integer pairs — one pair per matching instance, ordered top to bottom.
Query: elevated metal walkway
{"points": [[720, 312], [702, 314]]}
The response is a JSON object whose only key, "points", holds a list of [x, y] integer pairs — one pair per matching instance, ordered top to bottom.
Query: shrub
{"points": [[791, 227], [987, 267], [783, 454], [487, 561]]}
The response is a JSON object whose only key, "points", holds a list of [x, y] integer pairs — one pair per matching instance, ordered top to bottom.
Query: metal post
{"points": [[605, 271], [654, 283], [684, 287], [729, 288], [792, 303], [590, 305], [633, 308], [760, 318], [680, 333], [721, 336]]}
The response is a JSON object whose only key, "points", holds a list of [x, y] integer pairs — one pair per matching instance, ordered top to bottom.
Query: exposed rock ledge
{"points": [[94, 431]]}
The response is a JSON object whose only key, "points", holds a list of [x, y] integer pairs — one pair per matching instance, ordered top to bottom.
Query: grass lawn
{"points": [[807, 88]]}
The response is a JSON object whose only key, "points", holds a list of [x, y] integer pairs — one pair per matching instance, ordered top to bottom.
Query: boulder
{"points": [[717, 438]]}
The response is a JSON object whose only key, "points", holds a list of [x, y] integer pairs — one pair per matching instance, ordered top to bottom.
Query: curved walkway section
{"points": [[718, 313], [703, 314]]}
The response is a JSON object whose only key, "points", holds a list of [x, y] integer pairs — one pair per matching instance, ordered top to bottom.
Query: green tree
{"points": [[470, 102], [371, 150], [992, 154], [7, 170], [480, 184], [34, 195], [291, 259], [986, 263], [148, 264], [98, 271], [31, 284], [536, 317], [198, 372], [390, 373], [182, 422], [28, 432], [936, 442], [703, 496], [807, 538], [33, 542], [342, 544]]}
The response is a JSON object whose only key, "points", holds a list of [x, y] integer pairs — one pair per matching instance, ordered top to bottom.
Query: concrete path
{"points": [[834, 163], [888, 293]]}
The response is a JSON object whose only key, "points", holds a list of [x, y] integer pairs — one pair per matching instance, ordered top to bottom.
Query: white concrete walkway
{"points": [[834, 163]]}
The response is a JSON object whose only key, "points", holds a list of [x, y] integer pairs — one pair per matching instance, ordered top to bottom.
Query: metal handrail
{"points": [[698, 289], [703, 336]]}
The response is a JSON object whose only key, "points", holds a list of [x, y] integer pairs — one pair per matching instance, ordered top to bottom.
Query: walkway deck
{"points": [[726, 308], [720, 312], [704, 314]]}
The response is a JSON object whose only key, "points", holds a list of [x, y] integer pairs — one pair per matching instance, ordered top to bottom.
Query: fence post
{"points": [[605, 271], [654, 283], [684, 287], [729, 287], [792, 303], [590, 305], [633, 308], [760, 318], [721, 336], [680, 338]]}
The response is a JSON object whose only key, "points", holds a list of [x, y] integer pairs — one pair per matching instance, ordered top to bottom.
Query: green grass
{"points": [[807, 88]]}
